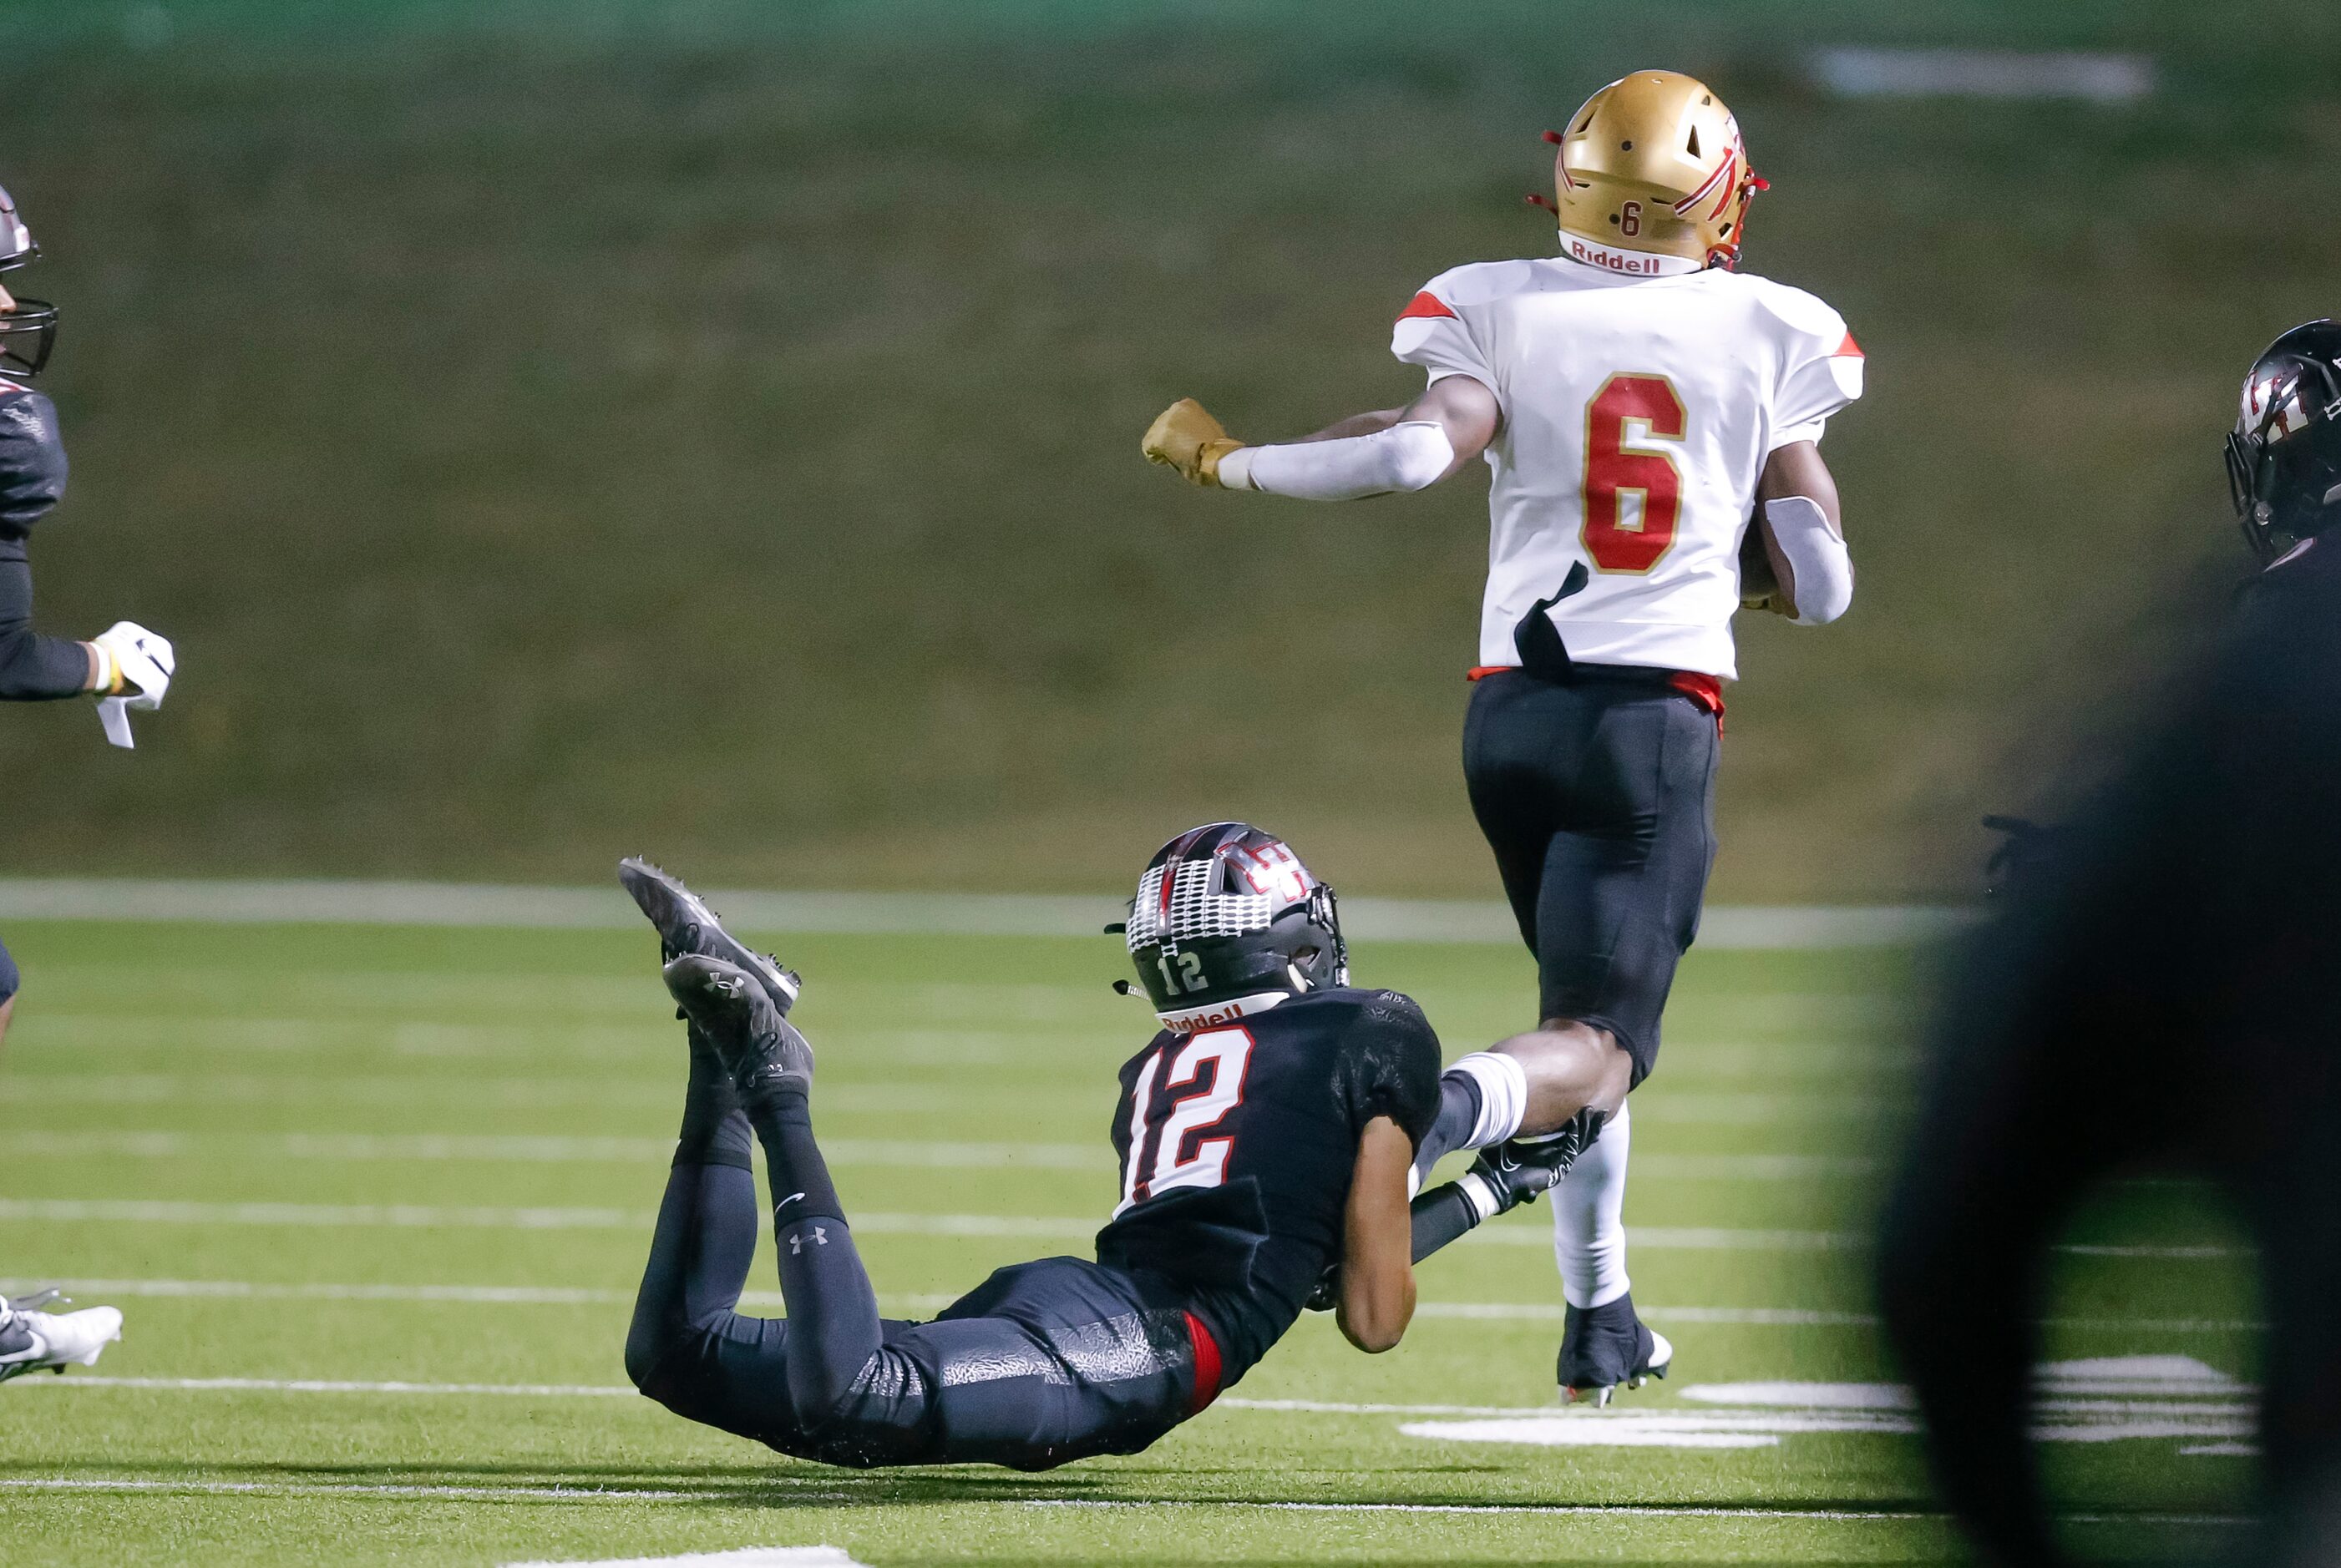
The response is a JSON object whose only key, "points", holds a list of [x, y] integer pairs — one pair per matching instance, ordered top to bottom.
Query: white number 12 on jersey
{"points": [[1228, 1054]]}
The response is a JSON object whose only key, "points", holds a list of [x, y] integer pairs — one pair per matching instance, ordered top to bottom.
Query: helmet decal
{"points": [[1175, 904]]}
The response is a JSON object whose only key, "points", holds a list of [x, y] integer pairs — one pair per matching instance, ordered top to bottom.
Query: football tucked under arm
{"points": [[1760, 584]]}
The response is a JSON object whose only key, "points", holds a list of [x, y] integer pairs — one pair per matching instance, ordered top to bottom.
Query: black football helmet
{"points": [[30, 331], [2284, 456], [1225, 916]]}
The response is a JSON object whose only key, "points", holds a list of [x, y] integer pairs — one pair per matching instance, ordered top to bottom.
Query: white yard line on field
{"points": [[1480, 922], [520, 1148], [923, 1153], [1068, 1227], [910, 1302], [101, 1381], [328, 1488], [570, 1493], [1571, 1509], [1628, 1511], [746, 1557]]}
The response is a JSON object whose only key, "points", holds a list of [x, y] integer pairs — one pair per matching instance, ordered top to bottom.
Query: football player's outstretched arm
{"points": [[1373, 453], [1804, 536], [1377, 1298]]}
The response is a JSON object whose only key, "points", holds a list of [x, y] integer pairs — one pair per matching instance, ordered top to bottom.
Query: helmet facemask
{"points": [[29, 332]]}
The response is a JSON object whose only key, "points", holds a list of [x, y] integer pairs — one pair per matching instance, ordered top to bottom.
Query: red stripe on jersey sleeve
{"points": [[1426, 303], [1847, 349]]}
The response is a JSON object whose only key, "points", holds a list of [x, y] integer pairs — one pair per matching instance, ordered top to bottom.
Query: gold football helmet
{"points": [[1653, 163]]}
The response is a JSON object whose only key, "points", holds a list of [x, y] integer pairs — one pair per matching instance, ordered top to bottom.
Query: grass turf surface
{"points": [[429, 1156]]}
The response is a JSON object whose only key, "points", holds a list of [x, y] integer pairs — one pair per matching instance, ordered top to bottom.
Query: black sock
{"points": [[1459, 1113], [714, 1131], [792, 1162], [833, 1324]]}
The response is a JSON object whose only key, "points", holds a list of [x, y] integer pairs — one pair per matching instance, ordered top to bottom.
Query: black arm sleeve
{"points": [[33, 668]]}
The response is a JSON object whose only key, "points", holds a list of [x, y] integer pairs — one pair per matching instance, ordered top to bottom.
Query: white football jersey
{"points": [[1637, 413]]}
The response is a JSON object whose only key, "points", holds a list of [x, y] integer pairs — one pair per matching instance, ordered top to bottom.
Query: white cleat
{"points": [[33, 1341]]}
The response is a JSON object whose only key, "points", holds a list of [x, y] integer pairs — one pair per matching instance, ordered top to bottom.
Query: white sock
{"points": [[1503, 1085], [1589, 1220]]}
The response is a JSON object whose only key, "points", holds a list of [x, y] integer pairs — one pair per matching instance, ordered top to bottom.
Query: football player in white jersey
{"points": [[1652, 420]]}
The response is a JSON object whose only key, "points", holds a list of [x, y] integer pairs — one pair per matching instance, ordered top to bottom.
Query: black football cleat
{"points": [[686, 924], [734, 1012], [1605, 1345]]}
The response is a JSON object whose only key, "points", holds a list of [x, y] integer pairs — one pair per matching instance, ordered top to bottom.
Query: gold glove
{"points": [[1186, 437]]}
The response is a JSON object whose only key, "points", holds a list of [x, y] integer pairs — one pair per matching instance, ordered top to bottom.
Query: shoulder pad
{"points": [[1481, 282], [1802, 312], [32, 459], [1393, 1005]]}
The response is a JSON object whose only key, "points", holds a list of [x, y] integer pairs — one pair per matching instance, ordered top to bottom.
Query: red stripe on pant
{"points": [[1207, 1365]]}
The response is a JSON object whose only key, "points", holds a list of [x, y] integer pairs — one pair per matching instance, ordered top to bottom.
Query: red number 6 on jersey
{"points": [[1612, 471]]}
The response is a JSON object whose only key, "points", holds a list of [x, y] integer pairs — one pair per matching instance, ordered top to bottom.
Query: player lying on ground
{"points": [[1639, 402], [127, 666], [1268, 1130]]}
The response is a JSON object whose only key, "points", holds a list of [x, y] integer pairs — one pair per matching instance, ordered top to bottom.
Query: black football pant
{"points": [[1597, 797], [2017, 1125], [1044, 1363]]}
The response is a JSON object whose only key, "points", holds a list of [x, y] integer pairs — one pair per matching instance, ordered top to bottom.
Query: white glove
{"points": [[131, 658]]}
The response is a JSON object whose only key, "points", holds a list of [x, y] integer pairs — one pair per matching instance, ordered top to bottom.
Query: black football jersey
{"points": [[32, 480], [1237, 1145]]}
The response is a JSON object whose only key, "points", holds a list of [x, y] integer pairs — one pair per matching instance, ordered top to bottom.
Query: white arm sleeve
{"points": [[1409, 456], [1817, 555]]}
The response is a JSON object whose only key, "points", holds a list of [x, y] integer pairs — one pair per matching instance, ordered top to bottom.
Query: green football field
{"points": [[373, 1201]]}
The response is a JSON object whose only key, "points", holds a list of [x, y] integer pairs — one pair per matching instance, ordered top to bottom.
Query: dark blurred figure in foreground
{"points": [[2161, 986]]}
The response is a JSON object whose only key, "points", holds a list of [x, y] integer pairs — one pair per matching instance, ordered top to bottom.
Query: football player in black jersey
{"points": [[127, 662], [2156, 993], [1265, 1132]]}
